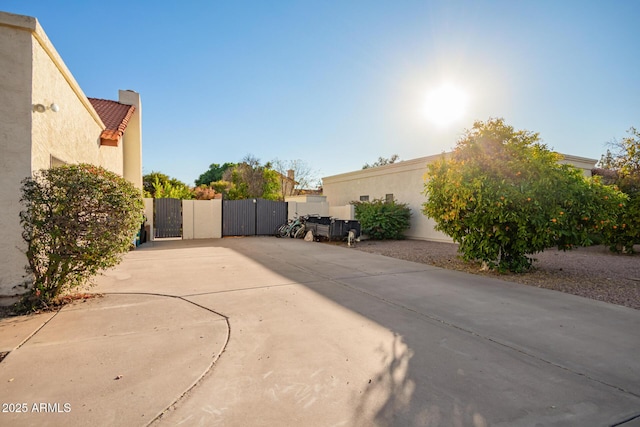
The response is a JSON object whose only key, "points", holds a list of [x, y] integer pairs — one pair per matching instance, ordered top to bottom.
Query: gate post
{"points": [[148, 212], [168, 218], [217, 218], [188, 219]]}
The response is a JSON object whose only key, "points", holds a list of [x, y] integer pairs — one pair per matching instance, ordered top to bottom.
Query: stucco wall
{"points": [[32, 73], [73, 133], [132, 139], [15, 151], [583, 163], [405, 180], [306, 205], [296, 209], [346, 212], [148, 213], [201, 219]]}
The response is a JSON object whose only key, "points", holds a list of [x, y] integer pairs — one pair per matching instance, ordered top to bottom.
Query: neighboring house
{"points": [[46, 120], [404, 182], [288, 184], [291, 188]]}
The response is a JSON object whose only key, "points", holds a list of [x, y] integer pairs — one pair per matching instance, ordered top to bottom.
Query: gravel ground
{"points": [[593, 272]]}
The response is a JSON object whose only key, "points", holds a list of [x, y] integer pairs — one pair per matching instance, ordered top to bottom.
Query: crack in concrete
{"points": [[240, 290], [450, 324], [38, 330], [478, 335], [209, 369], [626, 420]]}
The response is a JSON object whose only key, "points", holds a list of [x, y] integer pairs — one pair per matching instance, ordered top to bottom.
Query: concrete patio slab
{"points": [[15, 330], [314, 334], [300, 357], [117, 360]]}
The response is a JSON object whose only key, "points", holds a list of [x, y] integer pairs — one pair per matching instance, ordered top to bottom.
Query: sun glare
{"points": [[445, 105]]}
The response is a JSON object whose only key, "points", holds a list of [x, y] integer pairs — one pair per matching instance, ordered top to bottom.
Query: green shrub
{"points": [[621, 167], [158, 186], [502, 195], [380, 219], [77, 220], [623, 233]]}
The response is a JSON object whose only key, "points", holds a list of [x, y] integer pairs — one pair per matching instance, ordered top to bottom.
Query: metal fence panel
{"points": [[269, 215], [238, 217], [252, 217], [168, 218]]}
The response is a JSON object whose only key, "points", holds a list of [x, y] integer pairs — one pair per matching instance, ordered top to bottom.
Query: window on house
{"points": [[57, 162], [364, 198], [389, 198]]}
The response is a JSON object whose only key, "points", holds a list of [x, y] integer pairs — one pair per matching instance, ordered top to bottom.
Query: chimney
{"points": [[132, 139], [290, 174]]}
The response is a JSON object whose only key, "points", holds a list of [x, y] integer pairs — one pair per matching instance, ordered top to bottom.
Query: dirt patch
{"points": [[593, 272], [57, 304], [6, 311]]}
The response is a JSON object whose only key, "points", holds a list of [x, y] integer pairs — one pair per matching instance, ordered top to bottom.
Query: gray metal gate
{"points": [[269, 215], [239, 217], [252, 217], [167, 218]]}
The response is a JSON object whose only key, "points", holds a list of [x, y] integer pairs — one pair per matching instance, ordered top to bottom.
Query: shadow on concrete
{"points": [[434, 373], [390, 392], [403, 392]]}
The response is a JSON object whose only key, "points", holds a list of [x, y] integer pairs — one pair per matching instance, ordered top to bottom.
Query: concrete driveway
{"points": [[285, 332]]}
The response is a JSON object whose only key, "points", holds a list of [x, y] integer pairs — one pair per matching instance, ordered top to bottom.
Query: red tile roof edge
{"points": [[115, 117]]}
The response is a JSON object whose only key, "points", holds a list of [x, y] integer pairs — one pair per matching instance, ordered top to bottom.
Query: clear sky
{"points": [[340, 83]]}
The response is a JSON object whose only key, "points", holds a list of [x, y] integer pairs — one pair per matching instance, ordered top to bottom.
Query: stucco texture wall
{"points": [[31, 73], [71, 135], [132, 139], [15, 151], [405, 180], [201, 219]]}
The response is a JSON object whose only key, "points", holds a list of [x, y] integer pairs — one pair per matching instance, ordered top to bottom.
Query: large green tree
{"points": [[620, 166], [214, 173], [249, 179], [158, 185], [503, 195]]}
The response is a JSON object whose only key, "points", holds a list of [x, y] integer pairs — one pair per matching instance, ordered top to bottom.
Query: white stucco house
{"points": [[46, 120], [403, 181]]}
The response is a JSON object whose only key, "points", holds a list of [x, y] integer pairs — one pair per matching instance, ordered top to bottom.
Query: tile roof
{"points": [[115, 117]]}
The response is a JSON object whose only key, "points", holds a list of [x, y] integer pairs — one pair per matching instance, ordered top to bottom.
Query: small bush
{"points": [[202, 192], [380, 219], [77, 221]]}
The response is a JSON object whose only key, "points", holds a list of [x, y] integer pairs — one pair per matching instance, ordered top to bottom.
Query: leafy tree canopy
{"points": [[382, 161], [621, 163], [620, 166], [214, 173], [303, 176], [249, 179], [158, 185], [203, 192], [502, 195]]}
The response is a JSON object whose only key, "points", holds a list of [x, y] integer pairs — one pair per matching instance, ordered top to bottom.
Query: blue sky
{"points": [[340, 83]]}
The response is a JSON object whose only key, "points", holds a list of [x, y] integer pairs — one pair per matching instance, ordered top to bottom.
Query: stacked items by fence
{"points": [[206, 219]]}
